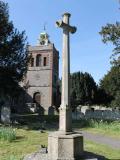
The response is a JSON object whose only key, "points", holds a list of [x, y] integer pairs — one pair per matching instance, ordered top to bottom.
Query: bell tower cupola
{"points": [[43, 38]]}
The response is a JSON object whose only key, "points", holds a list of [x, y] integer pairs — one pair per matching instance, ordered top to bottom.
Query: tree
{"points": [[111, 33], [13, 54], [111, 81], [111, 85], [83, 89], [101, 97]]}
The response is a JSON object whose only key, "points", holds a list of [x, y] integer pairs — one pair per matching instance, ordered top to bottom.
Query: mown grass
{"points": [[108, 128], [29, 139], [102, 150]]}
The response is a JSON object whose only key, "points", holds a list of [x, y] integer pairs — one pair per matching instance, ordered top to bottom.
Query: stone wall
{"points": [[39, 77], [45, 96], [95, 113]]}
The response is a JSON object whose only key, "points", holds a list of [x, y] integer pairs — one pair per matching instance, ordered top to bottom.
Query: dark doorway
{"points": [[37, 98]]}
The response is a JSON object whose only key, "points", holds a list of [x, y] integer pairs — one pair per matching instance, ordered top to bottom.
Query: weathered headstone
{"points": [[5, 114], [65, 144]]}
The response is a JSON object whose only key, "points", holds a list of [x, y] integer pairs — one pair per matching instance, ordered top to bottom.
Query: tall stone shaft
{"points": [[65, 65], [65, 123], [65, 144]]}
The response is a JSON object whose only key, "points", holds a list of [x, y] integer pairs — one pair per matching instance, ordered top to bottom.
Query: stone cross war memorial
{"points": [[65, 144]]}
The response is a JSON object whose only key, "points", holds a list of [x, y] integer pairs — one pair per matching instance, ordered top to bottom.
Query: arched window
{"points": [[38, 60], [45, 61], [32, 62], [37, 98]]}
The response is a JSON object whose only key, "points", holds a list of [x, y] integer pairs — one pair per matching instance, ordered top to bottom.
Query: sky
{"points": [[87, 51]]}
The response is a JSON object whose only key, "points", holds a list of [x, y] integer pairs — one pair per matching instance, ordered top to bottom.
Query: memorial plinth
{"points": [[65, 144]]}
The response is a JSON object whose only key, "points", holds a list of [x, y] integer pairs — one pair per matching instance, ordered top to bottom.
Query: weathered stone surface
{"points": [[42, 77], [95, 112], [5, 114], [65, 120], [65, 146], [43, 150], [36, 156], [39, 156]]}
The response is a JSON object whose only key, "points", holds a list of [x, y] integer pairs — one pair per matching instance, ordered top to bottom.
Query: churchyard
{"points": [[43, 117], [31, 131]]}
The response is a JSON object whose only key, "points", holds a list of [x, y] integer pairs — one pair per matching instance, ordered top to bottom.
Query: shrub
{"points": [[7, 133]]}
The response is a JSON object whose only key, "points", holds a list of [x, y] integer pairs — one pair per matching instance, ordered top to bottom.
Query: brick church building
{"points": [[41, 80]]}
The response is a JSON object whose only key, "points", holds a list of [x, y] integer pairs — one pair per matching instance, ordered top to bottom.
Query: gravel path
{"points": [[99, 138]]}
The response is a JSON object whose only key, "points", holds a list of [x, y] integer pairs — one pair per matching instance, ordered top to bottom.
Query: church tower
{"points": [[42, 76]]}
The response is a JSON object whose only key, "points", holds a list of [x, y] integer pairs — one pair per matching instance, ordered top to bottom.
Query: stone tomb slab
{"points": [[65, 146]]}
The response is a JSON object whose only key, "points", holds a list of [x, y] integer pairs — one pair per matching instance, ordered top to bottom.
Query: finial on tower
{"points": [[44, 28], [43, 37]]}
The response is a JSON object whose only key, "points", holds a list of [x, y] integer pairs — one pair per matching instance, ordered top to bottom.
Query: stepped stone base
{"points": [[65, 146], [41, 156]]}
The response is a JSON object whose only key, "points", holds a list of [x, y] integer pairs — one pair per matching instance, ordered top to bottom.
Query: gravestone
{"points": [[5, 114], [65, 144]]}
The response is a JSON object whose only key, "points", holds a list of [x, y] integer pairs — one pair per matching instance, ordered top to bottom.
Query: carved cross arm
{"points": [[66, 27]]}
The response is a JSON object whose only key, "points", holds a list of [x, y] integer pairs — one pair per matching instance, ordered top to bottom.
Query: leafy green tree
{"points": [[111, 33], [13, 54], [111, 81], [111, 84], [83, 89], [115, 103]]}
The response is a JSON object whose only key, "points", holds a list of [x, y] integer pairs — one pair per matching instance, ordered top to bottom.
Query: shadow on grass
{"points": [[35, 122], [47, 122], [19, 138], [90, 155]]}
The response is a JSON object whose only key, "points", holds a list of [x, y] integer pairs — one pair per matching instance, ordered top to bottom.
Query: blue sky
{"points": [[88, 53]]}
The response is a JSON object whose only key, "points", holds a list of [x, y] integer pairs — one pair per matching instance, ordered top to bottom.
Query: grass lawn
{"points": [[110, 129], [29, 140], [102, 150]]}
